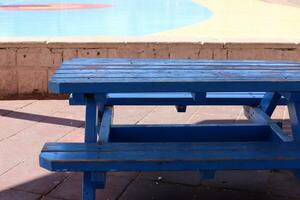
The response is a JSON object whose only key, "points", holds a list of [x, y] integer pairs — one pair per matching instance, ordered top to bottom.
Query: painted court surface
{"points": [[229, 20], [26, 125]]}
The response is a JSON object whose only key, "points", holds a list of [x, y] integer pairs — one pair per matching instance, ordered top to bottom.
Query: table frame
{"points": [[101, 83], [96, 110]]}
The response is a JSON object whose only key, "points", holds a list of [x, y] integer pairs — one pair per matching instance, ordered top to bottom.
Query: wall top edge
{"points": [[172, 39], [98, 42]]}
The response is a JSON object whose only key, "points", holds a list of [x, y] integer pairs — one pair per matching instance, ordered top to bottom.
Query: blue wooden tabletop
{"points": [[98, 75]]}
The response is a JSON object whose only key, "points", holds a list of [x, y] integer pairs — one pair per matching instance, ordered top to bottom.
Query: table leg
{"points": [[267, 104], [294, 112], [91, 120], [99, 178], [89, 189]]}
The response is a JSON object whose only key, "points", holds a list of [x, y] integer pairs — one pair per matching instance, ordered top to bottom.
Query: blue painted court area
{"points": [[120, 18]]}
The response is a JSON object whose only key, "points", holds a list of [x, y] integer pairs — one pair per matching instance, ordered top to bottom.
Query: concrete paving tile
{"points": [[9, 105], [45, 107], [222, 110], [76, 111], [279, 113], [130, 114], [215, 114], [168, 115], [286, 115], [28, 116], [241, 117], [64, 119], [211, 119], [15, 126], [33, 132], [76, 135], [33, 138], [28, 143], [9, 156], [128, 175], [30, 177], [180, 177], [254, 181], [283, 183], [42, 185], [71, 188], [150, 190], [217, 194], [18, 195]]}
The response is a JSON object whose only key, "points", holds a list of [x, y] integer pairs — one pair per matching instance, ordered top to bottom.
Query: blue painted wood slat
{"points": [[151, 75], [121, 85], [185, 98], [269, 102], [294, 113], [257, 115], [104, 129], [190, 133], [173, 156], [88, 186]]}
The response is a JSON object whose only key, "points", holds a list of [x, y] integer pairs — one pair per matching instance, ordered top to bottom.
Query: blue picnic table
{"points": [[102, 83]]}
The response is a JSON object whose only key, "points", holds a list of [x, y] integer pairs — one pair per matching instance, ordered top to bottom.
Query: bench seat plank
{"points": [[152, 75], [169, 156]]}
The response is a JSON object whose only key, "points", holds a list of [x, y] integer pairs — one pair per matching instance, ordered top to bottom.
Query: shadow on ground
{"points": [[45, 119], [246, 185]]}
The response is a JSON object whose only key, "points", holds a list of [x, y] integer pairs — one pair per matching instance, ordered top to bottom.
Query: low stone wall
{"points": [[25, 68]]}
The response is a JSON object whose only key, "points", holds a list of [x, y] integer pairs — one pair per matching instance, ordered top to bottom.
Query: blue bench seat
{"points": [[169, 156]]}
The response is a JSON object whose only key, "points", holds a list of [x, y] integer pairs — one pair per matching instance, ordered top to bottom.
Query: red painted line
{"points": [[31, 7]]}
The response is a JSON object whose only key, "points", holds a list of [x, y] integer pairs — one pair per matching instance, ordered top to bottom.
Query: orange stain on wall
{"points": [[31, 7]]}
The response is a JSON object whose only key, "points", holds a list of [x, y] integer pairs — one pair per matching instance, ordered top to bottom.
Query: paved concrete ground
{"points": [[26, 125]]}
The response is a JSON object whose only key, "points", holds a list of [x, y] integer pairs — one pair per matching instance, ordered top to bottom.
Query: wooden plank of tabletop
{"points": [[152, 75]]}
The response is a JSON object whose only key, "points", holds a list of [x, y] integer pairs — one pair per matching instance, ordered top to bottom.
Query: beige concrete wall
{"points": [[26, 67]]}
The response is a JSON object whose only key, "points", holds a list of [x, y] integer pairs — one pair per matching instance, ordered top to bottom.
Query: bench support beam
{"points": [[179, 98], [269, 102], [294, 108], [257, 115], [91, 119], [104, 127], [190, 133]]}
